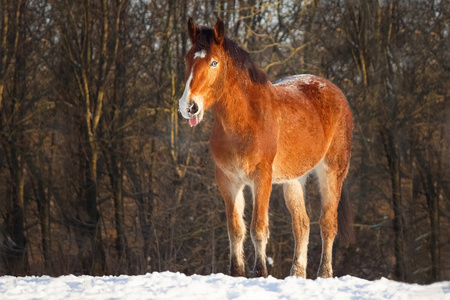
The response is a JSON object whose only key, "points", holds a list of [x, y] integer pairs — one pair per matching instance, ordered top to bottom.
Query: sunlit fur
{"points": [[266, 133]]}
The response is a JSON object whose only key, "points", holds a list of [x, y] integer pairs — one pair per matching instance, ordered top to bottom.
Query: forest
{"points": [[100, 175]]}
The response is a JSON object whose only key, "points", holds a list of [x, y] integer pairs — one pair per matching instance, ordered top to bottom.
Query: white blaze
{"points": [[183, 103]]}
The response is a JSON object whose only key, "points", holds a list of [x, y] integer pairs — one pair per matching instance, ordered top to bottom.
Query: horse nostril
{"points": [[193, 107]]}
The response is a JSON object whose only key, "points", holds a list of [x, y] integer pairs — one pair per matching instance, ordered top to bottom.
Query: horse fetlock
{"points": [[236, 237], [237, 267], [260, 269], [298, 270], [325, 271]]}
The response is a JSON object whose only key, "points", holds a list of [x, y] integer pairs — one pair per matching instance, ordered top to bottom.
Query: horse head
{"points": [[205, 71]]}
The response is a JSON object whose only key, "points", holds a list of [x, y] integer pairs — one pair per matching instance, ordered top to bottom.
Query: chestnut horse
{"points": [[266, 133]]}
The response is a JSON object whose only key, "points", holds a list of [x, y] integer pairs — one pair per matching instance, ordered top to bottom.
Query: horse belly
{"points": [[291, 166]]}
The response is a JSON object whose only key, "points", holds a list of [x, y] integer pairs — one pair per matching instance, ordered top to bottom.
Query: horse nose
{"points": [[193, 107]]}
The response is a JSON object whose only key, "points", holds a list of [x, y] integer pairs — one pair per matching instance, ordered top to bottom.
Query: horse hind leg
{"points": [[331, 172], [331, 177], [293, 195]]}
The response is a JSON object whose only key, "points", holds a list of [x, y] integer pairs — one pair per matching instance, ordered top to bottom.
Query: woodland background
{"points": [[100, 175]]}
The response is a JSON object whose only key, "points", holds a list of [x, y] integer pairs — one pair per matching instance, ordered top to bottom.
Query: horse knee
{"points": [[236, 229], [259, 232]]}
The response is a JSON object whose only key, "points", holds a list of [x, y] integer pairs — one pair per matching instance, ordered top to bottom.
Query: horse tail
{"points": [[345, 219]]}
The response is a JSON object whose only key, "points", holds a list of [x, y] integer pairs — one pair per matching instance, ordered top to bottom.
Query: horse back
{"points": [[312, 110]]}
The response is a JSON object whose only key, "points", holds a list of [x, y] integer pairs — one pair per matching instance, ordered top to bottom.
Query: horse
{"points": [[265, 133]]}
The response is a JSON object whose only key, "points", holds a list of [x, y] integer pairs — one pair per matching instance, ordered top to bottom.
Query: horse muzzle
{"points": [[191, 110]]}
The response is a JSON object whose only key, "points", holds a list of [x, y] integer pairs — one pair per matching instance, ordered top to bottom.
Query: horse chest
{"points": [[236, 157], [228, 158]]}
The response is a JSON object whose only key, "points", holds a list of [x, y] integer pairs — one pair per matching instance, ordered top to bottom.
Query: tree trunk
{"points": [[11, 114], [114, 145], [394, 172], [115, 175], [432, 197], [43, 204], [145, 210], [93, 223], [18, 263]]}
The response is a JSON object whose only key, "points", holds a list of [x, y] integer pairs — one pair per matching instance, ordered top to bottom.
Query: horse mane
{"points": [[239, 56]]}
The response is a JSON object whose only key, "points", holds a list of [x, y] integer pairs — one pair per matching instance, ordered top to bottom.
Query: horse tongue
{"points": [[193, 121]]}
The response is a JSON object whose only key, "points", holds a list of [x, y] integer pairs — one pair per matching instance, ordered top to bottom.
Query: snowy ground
{"points": [[169, 285]]}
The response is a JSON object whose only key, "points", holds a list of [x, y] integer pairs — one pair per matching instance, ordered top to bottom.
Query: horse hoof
{"points": [[237, 271], [260, 273], [325, 274]]}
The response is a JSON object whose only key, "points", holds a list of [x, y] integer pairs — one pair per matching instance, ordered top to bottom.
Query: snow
{"points": [[292, 81], [168, 285]]}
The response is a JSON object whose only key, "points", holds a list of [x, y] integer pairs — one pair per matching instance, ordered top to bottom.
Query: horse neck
{"points": [[242, 104]]}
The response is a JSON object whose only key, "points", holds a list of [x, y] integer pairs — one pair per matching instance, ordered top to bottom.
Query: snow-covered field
{"points": [[169, 285]]}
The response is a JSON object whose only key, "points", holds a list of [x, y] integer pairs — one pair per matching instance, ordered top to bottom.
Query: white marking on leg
{"points": [[321, 172], [302, 179], [293, 194], [328, 218], [236, 234]]}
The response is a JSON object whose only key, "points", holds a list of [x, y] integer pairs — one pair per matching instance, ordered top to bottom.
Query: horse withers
{"points": [[266, 133]]}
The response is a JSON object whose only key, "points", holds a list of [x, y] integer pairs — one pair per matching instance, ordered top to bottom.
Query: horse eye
{"points": [[214, 64]]}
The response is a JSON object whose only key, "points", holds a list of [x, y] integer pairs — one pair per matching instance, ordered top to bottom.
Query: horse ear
{"points": [[193, 30], [219, 32]]}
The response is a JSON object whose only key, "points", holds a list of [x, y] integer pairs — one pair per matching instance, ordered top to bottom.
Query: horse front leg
{"points": [[234, 206], [259, 228]]}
